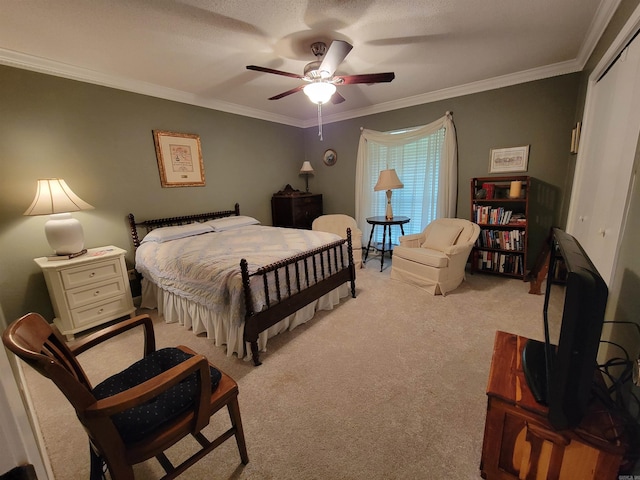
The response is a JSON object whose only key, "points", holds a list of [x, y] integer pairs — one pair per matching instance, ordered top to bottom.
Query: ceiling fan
{"points": [[320, 77]]}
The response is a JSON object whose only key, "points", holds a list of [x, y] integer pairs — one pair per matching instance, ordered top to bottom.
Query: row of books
{"points": [[491, 215], [502, 239], [501, 262]]}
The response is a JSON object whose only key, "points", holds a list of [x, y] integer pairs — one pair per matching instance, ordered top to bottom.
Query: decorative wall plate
{"points": [[330, 157]]}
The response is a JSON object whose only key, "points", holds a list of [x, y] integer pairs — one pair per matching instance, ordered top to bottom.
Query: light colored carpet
{"points": [[389, 385]]}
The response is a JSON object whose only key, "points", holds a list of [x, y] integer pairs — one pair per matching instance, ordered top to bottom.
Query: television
{"points": [[561, 375]]}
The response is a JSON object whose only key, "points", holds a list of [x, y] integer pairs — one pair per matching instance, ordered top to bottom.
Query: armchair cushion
{"points": [[442, 237], [423, 256], [138, 422]]}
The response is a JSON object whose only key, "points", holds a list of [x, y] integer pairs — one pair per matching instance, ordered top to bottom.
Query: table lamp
{"points": [[306, 170], [388, 180], [55, 198]]}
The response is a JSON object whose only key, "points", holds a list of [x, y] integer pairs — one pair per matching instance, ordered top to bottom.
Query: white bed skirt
{"points": [[219, 327]]}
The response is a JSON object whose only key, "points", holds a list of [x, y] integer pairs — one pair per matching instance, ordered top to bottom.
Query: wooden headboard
{"points": [[149, 225]]}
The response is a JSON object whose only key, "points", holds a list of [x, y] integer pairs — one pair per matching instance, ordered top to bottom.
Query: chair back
{"points": [[335, 223], [468, 235], [40, 345]]}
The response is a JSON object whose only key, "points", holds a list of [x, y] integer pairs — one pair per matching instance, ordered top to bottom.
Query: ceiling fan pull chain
{"points": [[320, 121]]}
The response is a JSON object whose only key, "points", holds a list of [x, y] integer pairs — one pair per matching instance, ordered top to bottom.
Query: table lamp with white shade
{"points": [[306, 170], [388, 180], [54, 197]]}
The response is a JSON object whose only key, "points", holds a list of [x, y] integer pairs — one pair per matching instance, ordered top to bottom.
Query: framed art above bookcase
{"points": [[504, 208]]}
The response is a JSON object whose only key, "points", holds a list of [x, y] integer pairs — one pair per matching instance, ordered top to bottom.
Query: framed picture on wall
{"points": [[179, 159], [513, 159]]}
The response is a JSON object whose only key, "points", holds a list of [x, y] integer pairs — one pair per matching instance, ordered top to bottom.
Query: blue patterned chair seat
{"points": [[138, 422]]}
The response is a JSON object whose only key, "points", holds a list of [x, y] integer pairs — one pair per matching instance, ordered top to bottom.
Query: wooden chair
{"points": [[160, 377]]}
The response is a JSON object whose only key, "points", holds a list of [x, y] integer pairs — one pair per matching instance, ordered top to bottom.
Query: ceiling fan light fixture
{"points": [[319, 92]]}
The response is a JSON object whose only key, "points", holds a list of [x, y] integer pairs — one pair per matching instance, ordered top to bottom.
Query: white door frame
{"points": [[583, 172]]}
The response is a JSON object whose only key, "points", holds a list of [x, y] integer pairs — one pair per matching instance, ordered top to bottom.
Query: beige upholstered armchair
{"points": [[338, 224], [435, 259]]}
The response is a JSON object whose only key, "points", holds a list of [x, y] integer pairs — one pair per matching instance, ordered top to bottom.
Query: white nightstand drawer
{"points": [[94, 272], [95, 293], [95, 313]]}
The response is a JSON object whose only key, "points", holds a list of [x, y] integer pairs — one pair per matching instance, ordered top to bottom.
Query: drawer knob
{"points": [[92, 274], [96, 293], [101, 310]]}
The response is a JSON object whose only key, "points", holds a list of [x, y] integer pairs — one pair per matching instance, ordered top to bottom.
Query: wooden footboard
{"points": [[322, 269]]}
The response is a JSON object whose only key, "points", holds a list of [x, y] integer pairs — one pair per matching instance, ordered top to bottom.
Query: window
{"points": [[425, 159], [417, 163]]}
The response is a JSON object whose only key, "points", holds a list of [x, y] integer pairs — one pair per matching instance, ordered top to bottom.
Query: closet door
{"points": [[601, 185]]}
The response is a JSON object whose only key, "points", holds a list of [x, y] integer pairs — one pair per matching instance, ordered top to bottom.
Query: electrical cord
{"points": [[620, 400]]}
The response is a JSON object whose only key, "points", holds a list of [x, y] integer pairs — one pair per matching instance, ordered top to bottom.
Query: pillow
{"points": [[235, 221], [165, 234], [442, 236]]}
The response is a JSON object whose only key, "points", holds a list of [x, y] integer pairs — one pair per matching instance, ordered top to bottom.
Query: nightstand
{"points": [[89, 290]]}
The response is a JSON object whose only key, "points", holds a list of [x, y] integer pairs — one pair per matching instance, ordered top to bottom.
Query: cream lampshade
{"points": [[306, 170], [388, 180], [55, 198]]}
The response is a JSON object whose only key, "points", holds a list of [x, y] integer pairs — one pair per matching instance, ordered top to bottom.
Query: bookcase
{"points": [[513, 223]]}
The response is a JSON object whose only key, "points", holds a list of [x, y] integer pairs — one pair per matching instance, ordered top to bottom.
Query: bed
{"points": [[224, 274]]}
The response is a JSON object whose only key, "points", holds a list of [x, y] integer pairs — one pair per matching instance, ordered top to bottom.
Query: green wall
{"points": [[540, 114], [99, 140]]}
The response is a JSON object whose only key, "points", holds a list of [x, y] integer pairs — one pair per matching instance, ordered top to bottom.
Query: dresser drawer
{"points": [[85, 274], [95, 292], [96, 313]]}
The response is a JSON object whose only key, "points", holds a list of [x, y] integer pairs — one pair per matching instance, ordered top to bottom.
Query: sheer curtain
{"points": [[425, 159]]}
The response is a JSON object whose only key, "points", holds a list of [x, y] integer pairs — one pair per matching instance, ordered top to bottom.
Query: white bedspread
{"points": [[196, 280]]}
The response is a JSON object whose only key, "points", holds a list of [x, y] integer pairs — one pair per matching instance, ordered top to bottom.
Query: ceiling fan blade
{"points": [[337, 52], [271, 70], [365, 78], [288, 92], [336, 98]]}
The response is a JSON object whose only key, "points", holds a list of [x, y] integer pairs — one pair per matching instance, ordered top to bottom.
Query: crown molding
{"points": [[605, 11], [41, 65], [531, 75]]}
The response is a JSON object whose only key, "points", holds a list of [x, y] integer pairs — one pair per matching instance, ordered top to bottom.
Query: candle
{"points": [[516, 187]]}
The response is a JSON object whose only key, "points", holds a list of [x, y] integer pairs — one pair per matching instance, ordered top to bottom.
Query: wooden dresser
{"points": [[295, 209], [519, 442]]}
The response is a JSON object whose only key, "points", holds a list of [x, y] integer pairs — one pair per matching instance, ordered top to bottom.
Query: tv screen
{"points": [[561, 374]]}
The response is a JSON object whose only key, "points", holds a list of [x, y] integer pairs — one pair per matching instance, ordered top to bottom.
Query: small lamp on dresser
{"points": [[306, 170], [64, 233]]}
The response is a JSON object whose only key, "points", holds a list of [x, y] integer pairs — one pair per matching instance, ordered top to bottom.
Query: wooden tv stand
{"points": [[519, 442]]}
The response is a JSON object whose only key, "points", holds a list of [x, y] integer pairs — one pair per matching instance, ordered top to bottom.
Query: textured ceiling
{"points": [[195, 51]]}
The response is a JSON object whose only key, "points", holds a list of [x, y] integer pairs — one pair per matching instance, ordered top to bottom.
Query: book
{"points": [[490, 188], [68, 256]]}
